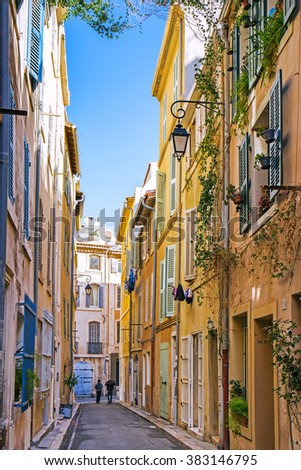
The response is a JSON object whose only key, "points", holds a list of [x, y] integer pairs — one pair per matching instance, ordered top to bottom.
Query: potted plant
{"points": [[245, 4], [268, 135], [262, 161], [234, 194], [264, 202], [238, 407], [66, 409]]}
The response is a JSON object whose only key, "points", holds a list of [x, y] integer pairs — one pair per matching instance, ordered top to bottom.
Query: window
{"points": [[288, 8], [257, 15], [35, 41], [164, 119], [275, 122], [11, 155], [173, 169], [244, 184], [26, 191], [160, 202], [40, 230], [190, 244], [66, 248], [49, 255], [94, 262], [119, 267], [167, 283], [146, 300], [118, 302], [66, 313], [139, 318], [117, 332], [94, 345], [240, 349], [148, 369], [24, 382]]}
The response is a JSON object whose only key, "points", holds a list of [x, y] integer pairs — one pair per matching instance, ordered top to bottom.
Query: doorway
{"points": [[164, 380]]}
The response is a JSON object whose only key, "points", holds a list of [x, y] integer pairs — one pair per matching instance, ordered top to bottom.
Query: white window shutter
{"points": [[170, 279]]}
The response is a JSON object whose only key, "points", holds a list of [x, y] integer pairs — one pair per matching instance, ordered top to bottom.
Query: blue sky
{"points": [[112, 106]]}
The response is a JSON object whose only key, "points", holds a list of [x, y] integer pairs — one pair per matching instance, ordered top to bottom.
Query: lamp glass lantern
{"points": [[179, 140], [88, 289]]}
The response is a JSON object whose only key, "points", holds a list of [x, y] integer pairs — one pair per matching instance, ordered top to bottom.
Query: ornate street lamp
{"points": [[180, 136], [88, 279], [88, 289]]}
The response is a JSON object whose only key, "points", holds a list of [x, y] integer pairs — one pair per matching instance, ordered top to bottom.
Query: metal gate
{"points": [[84, 384]]}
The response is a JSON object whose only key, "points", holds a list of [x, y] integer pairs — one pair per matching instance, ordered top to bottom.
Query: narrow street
{"points": [[102, 426]]}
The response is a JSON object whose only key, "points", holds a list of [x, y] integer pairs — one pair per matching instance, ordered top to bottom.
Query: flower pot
{"points": [[246, 5], [268, 135], [265, 162], [237, 198]]}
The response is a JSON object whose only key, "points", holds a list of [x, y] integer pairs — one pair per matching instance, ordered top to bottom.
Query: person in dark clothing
{"points": [[110, 384], [98, 388]]}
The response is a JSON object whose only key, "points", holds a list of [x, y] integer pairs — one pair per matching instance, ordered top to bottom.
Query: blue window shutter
{"points": [[288, 8], [35, 42], [275, 122], [11, 156], [244, 184], [26, 190], [100, 297], [88, 300], [28, 352]]}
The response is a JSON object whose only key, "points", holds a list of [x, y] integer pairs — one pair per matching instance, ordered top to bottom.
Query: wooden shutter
{"points": [[288, 7], [257, 15], [36, 41], [236, 66], [275, 122], [11, 155], [173, 168], [244, 184], [26, 191], [160, 201], [190, 243], [170, 279], [162, 290], [100, 297], [28, 351]]}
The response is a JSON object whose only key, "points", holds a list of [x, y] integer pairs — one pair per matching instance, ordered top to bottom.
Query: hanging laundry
{"points": [[188, 295]]}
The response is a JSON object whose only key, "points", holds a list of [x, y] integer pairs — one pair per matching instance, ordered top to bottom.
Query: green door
{"points": [[164, 380]]}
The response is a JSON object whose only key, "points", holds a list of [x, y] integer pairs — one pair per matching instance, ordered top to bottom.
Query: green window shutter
{"points": [[288, 8], [257, 15], [35, 41], [236, 66], [275, 122], [11, 155], [173, 169], [244, 184], [26, 190], [160, 201], [170, 279], [162, 290]]}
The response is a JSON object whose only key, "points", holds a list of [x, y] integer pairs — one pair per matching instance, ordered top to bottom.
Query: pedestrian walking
{"points": [[110, 384], [98, 388]]}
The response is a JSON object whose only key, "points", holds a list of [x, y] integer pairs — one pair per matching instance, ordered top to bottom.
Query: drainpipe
{"points": [[4, 102], [226, 227], [72, 280], [154, 295], [130, 327], [176, 368]]}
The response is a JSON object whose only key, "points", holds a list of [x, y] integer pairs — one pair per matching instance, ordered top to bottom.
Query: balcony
{"points": [[94, 348]]}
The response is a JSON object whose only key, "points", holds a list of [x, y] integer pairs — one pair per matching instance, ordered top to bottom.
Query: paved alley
{"points": [[109, 427]]}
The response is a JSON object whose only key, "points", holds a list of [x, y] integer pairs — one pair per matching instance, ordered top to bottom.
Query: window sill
{"points": [[264, 218], [26, 248]]}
